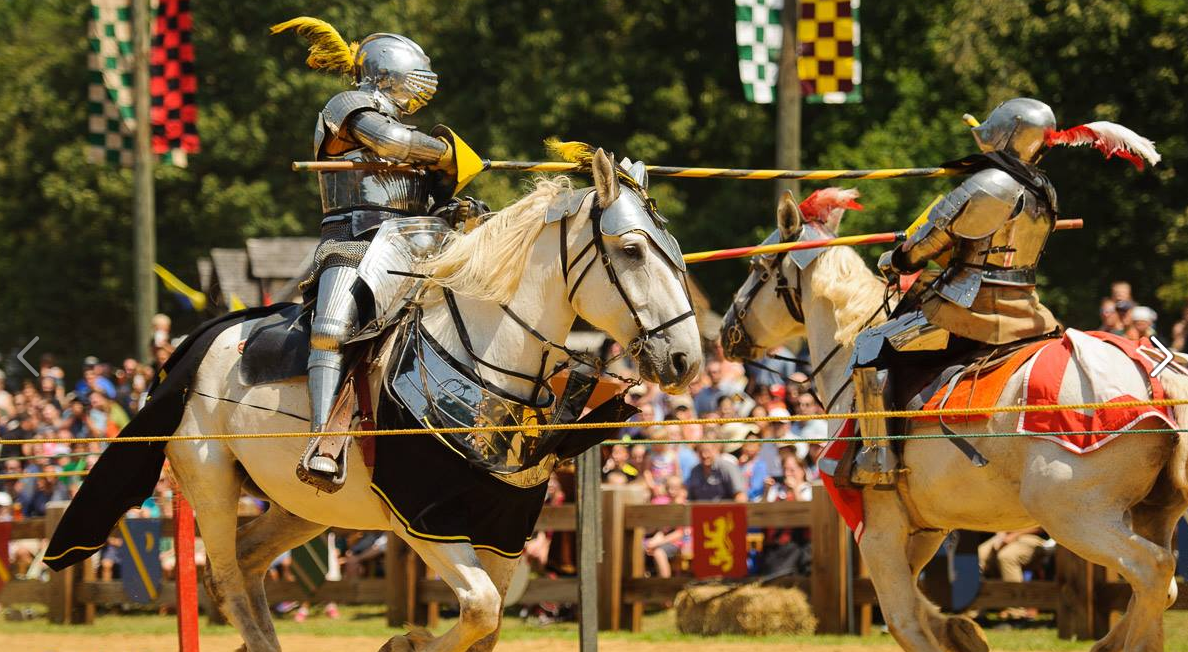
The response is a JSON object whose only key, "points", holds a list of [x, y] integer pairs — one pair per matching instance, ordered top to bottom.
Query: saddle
{"points": [[277, 348], [976, 380]]}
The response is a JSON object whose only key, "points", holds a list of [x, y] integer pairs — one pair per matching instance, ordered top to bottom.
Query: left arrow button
{"points": [[21, 356]]}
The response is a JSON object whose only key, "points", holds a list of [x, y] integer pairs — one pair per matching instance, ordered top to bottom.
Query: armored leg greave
{"points": [[335, 319], [876, 462]]}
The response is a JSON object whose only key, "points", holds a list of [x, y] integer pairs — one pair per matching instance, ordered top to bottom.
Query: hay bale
{"points": [[751, 610]]}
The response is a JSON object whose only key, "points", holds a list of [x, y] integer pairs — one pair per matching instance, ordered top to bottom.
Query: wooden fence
{"points": [[1081, 595]]}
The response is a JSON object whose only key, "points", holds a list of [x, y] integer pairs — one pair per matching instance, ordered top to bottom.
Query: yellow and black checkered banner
{"points": [[827, 40]]}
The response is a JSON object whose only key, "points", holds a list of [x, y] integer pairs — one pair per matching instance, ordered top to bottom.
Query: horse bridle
{"points": [[597, 244], [773, 265], [766, 267]]}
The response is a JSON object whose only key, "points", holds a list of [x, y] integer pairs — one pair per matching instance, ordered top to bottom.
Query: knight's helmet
{"points": [[390, 65], [397, 68], [1017, 127], [1026, 128]]}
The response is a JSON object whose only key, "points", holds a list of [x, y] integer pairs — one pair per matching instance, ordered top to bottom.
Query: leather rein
{"points": [[767, 267], [540, 379]]}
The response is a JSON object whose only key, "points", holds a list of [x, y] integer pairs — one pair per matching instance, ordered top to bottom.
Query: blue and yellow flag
{"points": [[188, 296], [140, 558]]}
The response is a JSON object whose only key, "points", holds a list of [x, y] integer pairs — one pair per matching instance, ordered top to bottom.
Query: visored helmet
{"points": [[397, 68], [1018, 127]]}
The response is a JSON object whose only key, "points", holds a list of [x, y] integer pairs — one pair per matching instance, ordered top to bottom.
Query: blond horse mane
{"points": [[487, 263], [842, 278]]}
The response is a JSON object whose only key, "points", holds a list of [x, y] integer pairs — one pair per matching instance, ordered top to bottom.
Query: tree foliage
{"points": [[654, 80]]}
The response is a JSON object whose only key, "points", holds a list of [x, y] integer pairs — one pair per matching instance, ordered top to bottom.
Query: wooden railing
{"points": [[1081, 595]]}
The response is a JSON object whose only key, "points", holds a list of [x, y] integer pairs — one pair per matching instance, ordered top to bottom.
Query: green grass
{"points": [[658, 628]]}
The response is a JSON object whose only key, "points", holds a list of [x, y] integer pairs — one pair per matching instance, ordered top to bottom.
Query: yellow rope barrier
{"points": [[877, 414], [46, 474]]}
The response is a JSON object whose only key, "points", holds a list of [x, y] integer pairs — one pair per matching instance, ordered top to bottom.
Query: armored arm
{"points": [[353, 118], [393, 140], [973, 210]]}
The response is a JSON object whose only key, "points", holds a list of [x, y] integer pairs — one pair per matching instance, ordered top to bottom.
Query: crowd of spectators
{"points": [[1120, 315], [55, 422], [766, 462], [671, 463]]}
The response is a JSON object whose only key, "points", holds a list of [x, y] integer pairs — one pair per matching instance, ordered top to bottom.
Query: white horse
{"points": [[514, 259], [1116, 507]]}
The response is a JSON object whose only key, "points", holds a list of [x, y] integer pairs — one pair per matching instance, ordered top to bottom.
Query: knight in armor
{"points": [[393, 80], [988, 235]]}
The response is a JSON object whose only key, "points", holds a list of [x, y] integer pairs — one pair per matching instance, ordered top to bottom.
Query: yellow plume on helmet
{"points": [[327, 49], [571, 151]]}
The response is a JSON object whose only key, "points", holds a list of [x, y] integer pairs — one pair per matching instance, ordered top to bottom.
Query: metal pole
{"points": [[788, 96], [144, 236], [589, 535]]}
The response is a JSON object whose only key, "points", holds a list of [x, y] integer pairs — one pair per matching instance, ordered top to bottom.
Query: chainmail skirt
{"points": [[338, 248]]}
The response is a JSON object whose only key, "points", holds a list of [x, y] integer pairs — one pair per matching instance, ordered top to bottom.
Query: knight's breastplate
{"points": [[405, 191], [1007, 256]]}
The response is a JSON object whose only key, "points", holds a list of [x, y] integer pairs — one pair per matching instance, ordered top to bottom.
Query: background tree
{"points": [[654, 80]]}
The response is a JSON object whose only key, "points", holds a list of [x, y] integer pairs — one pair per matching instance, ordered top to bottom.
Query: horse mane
{"points": [[487, 263], [842, 278]]}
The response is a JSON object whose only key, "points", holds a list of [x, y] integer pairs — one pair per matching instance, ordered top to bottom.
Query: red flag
{"points": [[174, 84], [719, 540], [5, 574]]}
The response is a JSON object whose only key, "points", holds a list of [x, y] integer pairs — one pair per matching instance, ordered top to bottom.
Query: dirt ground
{"points": [[29, 642]]}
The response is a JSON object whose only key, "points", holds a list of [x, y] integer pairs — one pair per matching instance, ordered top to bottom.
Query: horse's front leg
{"points": [[884, 548], [500, 569], [479, 599]]}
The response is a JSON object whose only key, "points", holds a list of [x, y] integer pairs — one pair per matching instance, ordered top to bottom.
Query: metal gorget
{"points": [[441, 392]]}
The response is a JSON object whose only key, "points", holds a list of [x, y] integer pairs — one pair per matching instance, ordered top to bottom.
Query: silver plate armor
{"points": [[397, 67], [1016, 126], [353, 128], [342, 191], [629, 213], [997, 232], [390, 263], [441, 396]]}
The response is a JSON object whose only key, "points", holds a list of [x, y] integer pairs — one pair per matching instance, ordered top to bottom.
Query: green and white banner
{"points": [[760, 37], [827, 43], [110, 117]]}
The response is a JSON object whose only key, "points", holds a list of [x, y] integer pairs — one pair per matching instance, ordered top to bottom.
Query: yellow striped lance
{"points": [[658, 170], [843, 241]]}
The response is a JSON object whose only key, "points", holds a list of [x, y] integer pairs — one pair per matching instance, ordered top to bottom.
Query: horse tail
{"points": [[1175, 386]]}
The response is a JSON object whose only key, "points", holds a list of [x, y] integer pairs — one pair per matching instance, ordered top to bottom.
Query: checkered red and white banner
{"points": [[171, 65]]}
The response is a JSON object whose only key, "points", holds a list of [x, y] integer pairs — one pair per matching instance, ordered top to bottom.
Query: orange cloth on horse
{"points": [[1000, 314], [983, 388]]}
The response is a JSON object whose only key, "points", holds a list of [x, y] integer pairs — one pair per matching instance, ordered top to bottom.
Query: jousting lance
{"points": [[655, 170], [843, 241]]}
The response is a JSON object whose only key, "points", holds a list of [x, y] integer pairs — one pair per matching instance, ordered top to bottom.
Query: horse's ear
{"points": [[606, 181], [788, 216]]}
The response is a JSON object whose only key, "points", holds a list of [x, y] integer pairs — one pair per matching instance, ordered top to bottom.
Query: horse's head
{"points": [[628, 279], [768, 309]]}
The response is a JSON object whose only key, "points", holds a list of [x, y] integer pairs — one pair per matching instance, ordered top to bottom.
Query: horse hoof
{"points": [[966, 635], [416, 638]]}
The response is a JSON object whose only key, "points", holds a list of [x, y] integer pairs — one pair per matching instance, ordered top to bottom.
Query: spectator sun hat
{"points": [[1143, 313], [736, 430]]}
